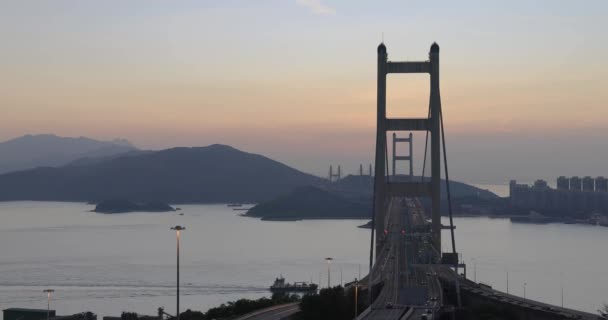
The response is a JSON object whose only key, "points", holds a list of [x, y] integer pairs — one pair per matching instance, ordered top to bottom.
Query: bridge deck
{"points": [[407, 266], [409, 289], [491, 295]]}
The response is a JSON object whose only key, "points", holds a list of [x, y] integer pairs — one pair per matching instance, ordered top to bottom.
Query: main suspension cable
{"points": [[426, 141], [386, 170], [447, 182], [373, 210], [371, 245]]}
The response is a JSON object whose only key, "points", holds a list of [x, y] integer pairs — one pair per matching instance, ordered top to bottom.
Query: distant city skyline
{"points": [[523, 83]]}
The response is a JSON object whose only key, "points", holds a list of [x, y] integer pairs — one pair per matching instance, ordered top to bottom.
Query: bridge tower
{"points": [[408, 158], [334, 177], [385, 189]]}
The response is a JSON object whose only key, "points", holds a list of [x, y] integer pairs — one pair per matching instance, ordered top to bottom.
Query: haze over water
{"points": [[126, 262]]}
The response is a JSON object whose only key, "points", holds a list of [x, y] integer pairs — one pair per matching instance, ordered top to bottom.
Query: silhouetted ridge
{"points": [[47, 150], [213, 174], [360, 186], [352, 197], [310, 202]]}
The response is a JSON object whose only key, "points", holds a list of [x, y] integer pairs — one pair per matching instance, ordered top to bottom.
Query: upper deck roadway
{"points": [[403, 265], [408, 267], [273, 313]]}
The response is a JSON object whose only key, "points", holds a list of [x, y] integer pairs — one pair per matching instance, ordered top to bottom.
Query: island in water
{"points": [[351, 198], [310, 203], [123, 206]]}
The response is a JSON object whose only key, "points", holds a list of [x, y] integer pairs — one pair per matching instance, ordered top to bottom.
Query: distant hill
{"points": [[46, 150], [87, 161], [213, 174], [362, 187], [351, 197], [310, 202]]}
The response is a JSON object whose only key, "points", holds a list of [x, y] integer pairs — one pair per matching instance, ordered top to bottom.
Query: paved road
{"points": [[408, 266], [406, 288], [489, 293], [273, 313]]}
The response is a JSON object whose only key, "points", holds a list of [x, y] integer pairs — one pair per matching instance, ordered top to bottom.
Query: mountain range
{"points": [[47, 150], [82, 169], [212, 174], [351, 197], [311, 202]]}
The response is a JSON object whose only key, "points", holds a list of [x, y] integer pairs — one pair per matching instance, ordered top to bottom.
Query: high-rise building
{"points": [[563, 183], [541, 184], [575, 184], [588, 184], [601, 184]]}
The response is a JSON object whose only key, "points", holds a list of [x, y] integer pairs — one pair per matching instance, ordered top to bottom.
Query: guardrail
{"points": [[269, 309], [364, 314], [407, 314]]}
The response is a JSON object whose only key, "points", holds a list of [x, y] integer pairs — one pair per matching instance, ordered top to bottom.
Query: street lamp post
{"points": [[178, 230], [328, 259], [474, 269], [320, 276], [561, 284], [525, 291], [356, 297], [48, 301]]}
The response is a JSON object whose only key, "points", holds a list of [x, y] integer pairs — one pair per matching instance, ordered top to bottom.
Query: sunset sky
{"points": [[524, 84]]}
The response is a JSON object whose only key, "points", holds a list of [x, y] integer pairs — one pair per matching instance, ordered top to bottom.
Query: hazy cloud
{"points": [[317, 7]]}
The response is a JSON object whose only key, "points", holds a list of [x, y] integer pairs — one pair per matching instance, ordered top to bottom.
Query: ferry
{"points": [[280, 286]]}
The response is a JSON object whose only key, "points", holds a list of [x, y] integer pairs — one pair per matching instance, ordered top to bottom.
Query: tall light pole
{"points": [[178, 230], [328, 259], [474, 269], [507, 281], [561, 284], [525, 291], [356, 297], [48, 301]]}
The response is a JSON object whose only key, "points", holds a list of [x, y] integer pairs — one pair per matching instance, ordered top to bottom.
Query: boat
{"points": [[234, 205], [280, 286]]}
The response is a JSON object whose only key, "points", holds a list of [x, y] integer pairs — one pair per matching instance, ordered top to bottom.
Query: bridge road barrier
{"points": [[475, 295], [267, 310], [364, 314], [407, 314]]}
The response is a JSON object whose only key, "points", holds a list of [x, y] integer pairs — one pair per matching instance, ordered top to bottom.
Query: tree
{"points": [[332, 303], [603, 310], [83, 316], [129, 316]]}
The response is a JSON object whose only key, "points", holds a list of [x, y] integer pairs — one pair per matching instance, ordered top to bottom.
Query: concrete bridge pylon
{"points": [[385, 189]]}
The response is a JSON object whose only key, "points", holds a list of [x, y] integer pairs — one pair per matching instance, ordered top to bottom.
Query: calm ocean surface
{"points": [[126, 262]]}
